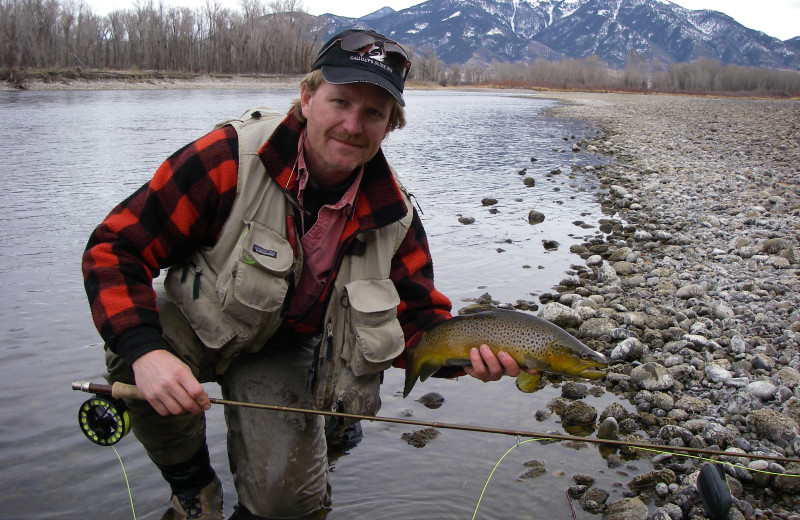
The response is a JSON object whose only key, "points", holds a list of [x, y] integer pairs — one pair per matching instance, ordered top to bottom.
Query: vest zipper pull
{"points": [[196, 286], [329, 350], [333, 422]]}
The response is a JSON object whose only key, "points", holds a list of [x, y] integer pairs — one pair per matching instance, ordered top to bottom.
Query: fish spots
{"points": [[528, 339]]}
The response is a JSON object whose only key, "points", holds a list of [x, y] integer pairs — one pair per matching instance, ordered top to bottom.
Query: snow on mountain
{"points": [[523, 30]]}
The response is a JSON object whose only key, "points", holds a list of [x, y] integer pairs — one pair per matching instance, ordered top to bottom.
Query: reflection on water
{"points": [[69, 157]]}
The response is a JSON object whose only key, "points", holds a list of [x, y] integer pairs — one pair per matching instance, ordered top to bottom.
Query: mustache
{"points": [[349, 139]]}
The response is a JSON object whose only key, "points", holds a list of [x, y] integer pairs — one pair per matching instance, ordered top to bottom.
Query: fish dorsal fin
{"points": [[528, 383]]}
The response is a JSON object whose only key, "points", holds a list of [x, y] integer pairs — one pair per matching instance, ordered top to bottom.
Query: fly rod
{"points": [[119, 391]]}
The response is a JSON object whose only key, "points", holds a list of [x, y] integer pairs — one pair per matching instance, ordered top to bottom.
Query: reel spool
{"points": [[104, 420]]}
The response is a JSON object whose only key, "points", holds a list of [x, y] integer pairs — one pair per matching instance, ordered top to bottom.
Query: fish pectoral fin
{"points": [[457, 362], [536, 364], [528, 383]]}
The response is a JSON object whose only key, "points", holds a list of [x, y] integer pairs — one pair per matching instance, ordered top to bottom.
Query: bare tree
{"points": [[427, 65], [636, 74]]}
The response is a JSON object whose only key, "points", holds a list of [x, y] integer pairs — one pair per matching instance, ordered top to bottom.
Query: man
{"points": [[298, 272]]}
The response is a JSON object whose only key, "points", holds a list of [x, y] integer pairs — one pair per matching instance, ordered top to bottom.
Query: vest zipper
{"points": [[198, 271]]}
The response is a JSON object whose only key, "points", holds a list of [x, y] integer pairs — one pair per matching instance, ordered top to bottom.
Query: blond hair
{"points": [[312, 81]]}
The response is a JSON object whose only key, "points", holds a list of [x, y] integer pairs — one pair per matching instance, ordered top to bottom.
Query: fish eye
{"points": [[584, 355]]}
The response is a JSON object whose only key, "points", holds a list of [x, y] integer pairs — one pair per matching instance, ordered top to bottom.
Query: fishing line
{"points": [[732, 464], [127, 484], [569, 498], [475, 514]]}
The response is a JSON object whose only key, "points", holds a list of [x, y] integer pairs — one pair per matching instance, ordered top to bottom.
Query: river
{"points": [[69, 156]]}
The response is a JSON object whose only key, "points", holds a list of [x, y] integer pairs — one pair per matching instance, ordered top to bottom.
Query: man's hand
{"points": [[488, 367], [168, 384]]}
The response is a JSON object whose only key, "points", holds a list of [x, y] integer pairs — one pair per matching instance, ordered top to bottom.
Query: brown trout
{"points": [[531, 341]]}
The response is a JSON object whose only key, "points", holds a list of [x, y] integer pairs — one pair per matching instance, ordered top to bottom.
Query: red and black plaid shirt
{"points": [[183, 208]]}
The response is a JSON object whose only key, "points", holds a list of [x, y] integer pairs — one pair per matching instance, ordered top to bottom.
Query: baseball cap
{"points": [[360, 56]]}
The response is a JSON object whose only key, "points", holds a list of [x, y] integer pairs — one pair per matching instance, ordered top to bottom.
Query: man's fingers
{"points": [[487, 366], [510, 366], [493, 367], [477, 368], [169, 385], [175, 399], [196, 399], [178, 401], [174, 406], [159, 407]]}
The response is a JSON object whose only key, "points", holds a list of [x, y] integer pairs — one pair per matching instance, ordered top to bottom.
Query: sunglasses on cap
{"points": [[371, 45]]}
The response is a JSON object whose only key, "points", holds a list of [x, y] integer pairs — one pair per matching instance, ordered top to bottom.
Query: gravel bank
{"points": [[691, 288]]}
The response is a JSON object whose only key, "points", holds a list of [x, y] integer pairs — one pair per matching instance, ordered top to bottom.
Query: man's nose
{"points": [[352, 122]]}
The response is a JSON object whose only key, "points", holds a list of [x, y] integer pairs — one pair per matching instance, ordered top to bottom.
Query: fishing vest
{"points": [[233, 296]]}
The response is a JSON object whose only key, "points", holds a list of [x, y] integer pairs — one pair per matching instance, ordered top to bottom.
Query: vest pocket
{"points": [[258, 283], [188, 287], [374, 337]]}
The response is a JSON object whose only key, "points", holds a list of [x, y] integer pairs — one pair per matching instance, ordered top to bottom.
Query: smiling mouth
{"points": [[350, 141]]}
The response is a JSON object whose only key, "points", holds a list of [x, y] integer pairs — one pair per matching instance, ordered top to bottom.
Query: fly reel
{"points": [[104, 420]]}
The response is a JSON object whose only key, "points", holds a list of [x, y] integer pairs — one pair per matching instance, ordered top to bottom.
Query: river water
{"points": [[68, 157]]}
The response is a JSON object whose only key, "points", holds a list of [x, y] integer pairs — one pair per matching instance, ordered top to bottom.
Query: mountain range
{"points": [[486, 31]]}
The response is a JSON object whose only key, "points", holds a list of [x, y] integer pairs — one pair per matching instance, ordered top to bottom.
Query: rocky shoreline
{"points": [[691, 289]]}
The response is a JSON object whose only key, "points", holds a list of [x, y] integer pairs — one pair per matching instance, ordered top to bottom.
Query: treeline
{"points": [[276, 37], [279, 37], [639, 75]]}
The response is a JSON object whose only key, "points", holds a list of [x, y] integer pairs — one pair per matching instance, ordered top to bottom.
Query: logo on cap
{"points": [[375, 52], [373, 58]]}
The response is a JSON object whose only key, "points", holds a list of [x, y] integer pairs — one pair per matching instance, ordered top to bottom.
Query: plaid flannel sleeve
{"points": [[183, 207], [421, 304]]}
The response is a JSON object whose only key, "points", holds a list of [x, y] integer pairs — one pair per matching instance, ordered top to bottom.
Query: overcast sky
{"points": [[778, 18]]}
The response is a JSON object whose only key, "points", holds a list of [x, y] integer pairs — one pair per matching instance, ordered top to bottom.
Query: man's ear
{"points": [[305, 100]]}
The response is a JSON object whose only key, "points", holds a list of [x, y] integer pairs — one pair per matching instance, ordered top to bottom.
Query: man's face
{"points": [[346, 125]]}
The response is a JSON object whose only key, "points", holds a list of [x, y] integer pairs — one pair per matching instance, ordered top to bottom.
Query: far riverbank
{"points": [[141, 80]]}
